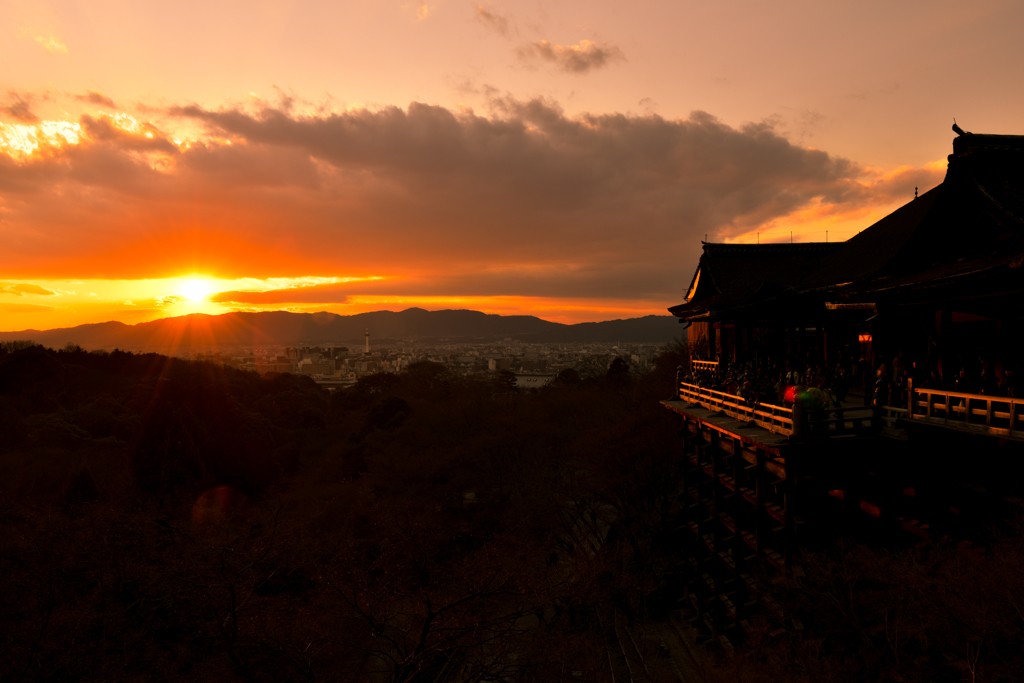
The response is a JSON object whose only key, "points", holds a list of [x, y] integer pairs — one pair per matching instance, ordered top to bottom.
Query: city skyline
{"points": [[561, 160]]}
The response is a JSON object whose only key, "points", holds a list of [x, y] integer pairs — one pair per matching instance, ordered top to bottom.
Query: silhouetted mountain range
{"points": [[278, 328]]}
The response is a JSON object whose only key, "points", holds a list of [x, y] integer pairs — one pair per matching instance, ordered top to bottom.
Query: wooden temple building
{"points": [[938, 277], [939, 284]]}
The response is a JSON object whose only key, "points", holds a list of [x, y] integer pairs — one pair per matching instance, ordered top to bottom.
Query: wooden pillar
{"points": [[926, 322], [944, 338], [712, 341], [779, 346], [999, 352], [799, 421], [759, 530]]}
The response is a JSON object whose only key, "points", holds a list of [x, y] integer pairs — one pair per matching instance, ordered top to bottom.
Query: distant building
{"points": [[279, 365], [315, 366], [533, 381]]}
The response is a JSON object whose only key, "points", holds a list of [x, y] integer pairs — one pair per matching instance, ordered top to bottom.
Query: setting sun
{"points": [[195, 289]]}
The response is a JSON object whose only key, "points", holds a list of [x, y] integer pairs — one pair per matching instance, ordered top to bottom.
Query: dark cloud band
{"points": [[525, 201]]}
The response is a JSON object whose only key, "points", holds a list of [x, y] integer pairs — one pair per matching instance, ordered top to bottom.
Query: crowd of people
{"points": [[977, 375], [816, 385], [819, 385]]}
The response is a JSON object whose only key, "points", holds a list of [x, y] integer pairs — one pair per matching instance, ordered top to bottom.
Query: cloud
{"points": [[420, 9], [494, 21], [51, 44], [578, 59], [99, 98], [20, 107], [138, 137], [245, 165], [522, 201], [608, 281], [21, 289], [292, 295], [169, 300], [25, 308]]}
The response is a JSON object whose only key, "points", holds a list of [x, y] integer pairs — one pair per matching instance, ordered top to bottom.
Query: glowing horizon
{"points": [[554, 161], [70, 303]]}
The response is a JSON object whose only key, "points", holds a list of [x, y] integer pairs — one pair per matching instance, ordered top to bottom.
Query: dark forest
{"points": [[164, 519]]}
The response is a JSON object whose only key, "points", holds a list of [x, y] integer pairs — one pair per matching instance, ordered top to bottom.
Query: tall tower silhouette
{"points": [[366, 350]]}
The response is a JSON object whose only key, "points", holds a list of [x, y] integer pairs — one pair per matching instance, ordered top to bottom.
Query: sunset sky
{"points": [[562, 159]]}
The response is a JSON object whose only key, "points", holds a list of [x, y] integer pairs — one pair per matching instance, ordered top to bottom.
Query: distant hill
{"points": [[281, 328]]}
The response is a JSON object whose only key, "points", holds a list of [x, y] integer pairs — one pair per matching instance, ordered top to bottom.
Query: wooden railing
{"points": [[705, 366], [995, 415], [889, 418], [775, 419], [841, 422], [799, 423]]}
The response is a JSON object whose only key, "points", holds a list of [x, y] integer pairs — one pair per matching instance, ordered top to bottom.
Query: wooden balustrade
{"points": [[705, 365], [995, 415], [775, 419], [779, 419], [842, 422]]}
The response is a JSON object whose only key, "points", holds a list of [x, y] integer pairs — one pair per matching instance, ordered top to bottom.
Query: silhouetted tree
{"points": [[618, 367], [567, 377], [505, 382]]}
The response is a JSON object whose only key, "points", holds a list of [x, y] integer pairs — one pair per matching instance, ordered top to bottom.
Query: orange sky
{"points": [[561, 159]]}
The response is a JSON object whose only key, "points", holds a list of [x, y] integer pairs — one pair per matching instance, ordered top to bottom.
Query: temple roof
{"points": [[973, 226], [968, 228], [871, 250], [731, 275]]}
